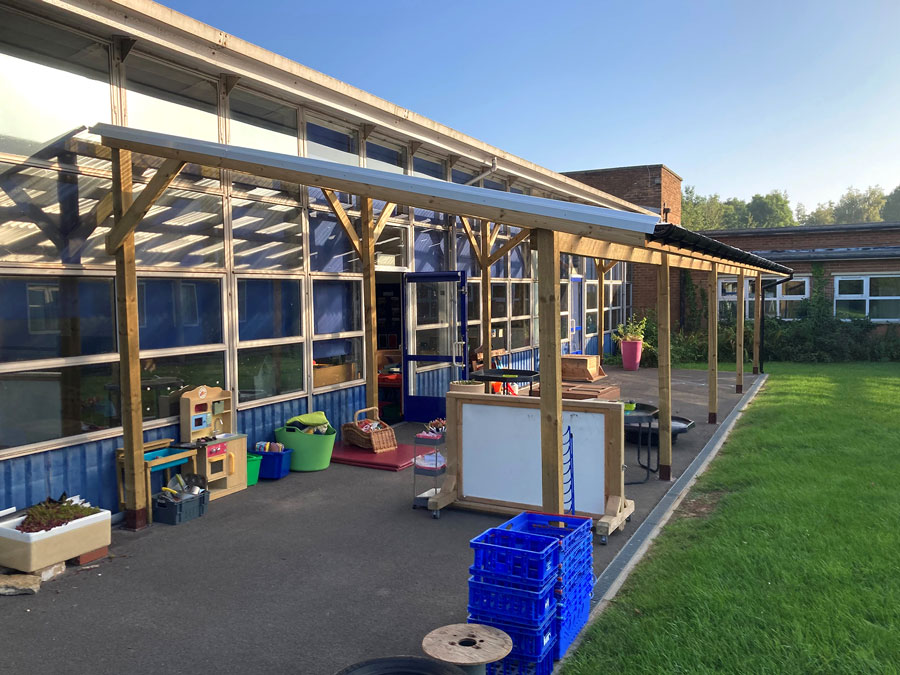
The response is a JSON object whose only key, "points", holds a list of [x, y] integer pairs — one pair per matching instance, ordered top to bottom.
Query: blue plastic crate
{"points": [[274, 465], [571, 531], [523, 556], [576, 559], [515, 605], [572, 613], [527, 641], [523, 665]]}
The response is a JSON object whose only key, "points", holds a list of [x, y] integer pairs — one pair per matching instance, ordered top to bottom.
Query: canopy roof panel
{"points": [[502, 207]]}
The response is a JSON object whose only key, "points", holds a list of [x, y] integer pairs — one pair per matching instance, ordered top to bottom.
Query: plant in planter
{"points": [[630, 338], [467, 386], [50, 532]]}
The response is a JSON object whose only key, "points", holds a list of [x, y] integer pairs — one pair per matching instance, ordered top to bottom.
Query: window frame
{"points": [[865, 296]]}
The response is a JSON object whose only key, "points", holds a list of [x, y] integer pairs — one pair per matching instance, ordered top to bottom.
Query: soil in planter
{"points": [[53, 513]]}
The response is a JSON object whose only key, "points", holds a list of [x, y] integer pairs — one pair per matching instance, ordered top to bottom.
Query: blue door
{"points": [[435, 351]]}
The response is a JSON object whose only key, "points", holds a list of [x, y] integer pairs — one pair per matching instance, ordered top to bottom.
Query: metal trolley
{"points": [[429, 465]]}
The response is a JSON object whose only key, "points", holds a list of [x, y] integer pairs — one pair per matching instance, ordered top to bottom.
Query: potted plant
{"points": [[630, 338], [467, 386], [50, 532]]}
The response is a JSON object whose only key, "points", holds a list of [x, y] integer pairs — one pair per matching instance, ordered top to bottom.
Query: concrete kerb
{"points": [[613, 577]]}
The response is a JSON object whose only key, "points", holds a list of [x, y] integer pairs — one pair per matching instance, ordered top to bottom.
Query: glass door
{"points": [[576, 315], [434, 341]]}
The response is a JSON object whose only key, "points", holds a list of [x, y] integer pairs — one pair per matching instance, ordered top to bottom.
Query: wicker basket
{"points": [[382, 440]]}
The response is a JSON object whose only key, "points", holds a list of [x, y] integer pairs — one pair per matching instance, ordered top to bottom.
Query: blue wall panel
{"points": [[591, 347], [537, 358], [521, 360], [434, 382], [340, 404], [260, 423], [88, 470]]}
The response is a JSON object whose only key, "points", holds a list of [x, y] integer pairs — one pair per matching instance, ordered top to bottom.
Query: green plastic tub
{"points": [[312, 452], [253, 463]]}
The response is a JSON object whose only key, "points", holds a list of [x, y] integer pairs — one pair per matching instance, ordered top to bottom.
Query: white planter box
{"points": [[30, 551]]}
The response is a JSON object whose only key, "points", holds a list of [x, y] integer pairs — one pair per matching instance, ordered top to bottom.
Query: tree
{"points": [[857, 206], [891, 209], [771, 210], [699, 212], [735, 214], [823, 214]]}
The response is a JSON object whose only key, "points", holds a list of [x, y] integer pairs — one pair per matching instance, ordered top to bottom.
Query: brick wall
{"points": [[650, 186], [800, 238]]}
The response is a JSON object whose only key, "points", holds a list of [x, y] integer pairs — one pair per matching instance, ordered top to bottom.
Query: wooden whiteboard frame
{"points": [[617, 507]]}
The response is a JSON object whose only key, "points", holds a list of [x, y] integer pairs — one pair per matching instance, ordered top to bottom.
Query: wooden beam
{"points": [[338, 209], [131, 218], [383, 218], [494, 231], [473, 240], [547, 244], [510, 245], [669, 248], [608, 266], [757, 322], [739, 336], [370, 338], [486, 341], [712, 343], [664, 351], [136, 497]]}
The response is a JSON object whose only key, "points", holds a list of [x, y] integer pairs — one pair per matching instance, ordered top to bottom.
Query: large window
{"points": [[53, 83], [170, 100], [262, 123], [332, 143], [267, 237], [330, 248], [875, 297], [782, 301], [338, 328]]}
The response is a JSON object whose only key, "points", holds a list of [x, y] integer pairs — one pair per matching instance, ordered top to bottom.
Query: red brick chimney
{"points": [[654, 186]]}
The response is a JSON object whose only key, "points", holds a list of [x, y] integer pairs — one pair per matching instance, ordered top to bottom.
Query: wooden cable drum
{"points": [[379, 440]]}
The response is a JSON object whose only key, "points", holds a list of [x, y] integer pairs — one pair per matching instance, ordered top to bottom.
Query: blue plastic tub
{"points": [[165, 452], [274, 465], [571, 531], [515, 556], [514, 605], [527, 641], [523, 665]]}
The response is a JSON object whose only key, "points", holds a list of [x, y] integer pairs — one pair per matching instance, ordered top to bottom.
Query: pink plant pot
{"points": [[631, 353]]}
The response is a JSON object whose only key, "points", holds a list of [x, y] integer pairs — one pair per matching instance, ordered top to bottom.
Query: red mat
{"points": [[395, 460]]}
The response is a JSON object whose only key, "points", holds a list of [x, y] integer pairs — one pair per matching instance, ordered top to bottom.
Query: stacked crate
{"points": [[532, 578]]}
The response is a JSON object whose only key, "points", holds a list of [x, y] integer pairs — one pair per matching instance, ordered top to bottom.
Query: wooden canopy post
{"points": [[127, 215], [546, 243], [484, 260], [757, 322], [370, 326], [739, 336], [712, 337], [665, 369], [136, 516]]}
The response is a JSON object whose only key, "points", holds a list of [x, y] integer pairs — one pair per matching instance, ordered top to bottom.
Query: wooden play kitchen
{"points": [[207, 425]]}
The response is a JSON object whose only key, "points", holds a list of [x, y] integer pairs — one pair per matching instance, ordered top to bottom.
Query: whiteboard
{"points": [[501, 454]]}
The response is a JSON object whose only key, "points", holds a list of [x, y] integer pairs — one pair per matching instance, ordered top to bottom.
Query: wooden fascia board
{"points": [[142, 204], [469, 208], [344, 220], [509, 246], [668, 248]]}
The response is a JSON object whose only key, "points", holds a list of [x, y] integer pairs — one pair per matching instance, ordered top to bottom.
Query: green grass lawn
{"points": [[785, 557]]}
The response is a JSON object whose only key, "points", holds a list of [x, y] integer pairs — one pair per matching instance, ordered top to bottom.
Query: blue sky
{"points": [[736, 97]]}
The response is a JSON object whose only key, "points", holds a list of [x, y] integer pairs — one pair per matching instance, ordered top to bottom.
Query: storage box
{"points": [[275, 465], [175, 513]]}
